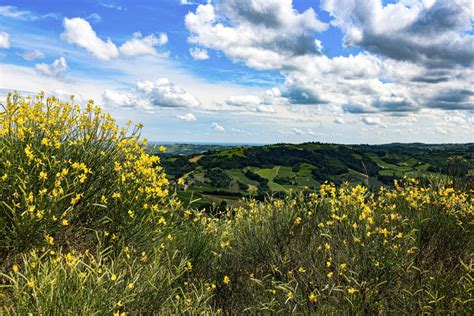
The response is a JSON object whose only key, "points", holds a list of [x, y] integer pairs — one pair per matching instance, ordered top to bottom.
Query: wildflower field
{"points": [[90, 225]]}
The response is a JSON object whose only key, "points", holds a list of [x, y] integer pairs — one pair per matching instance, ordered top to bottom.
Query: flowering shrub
{"points": [[63, 167]]}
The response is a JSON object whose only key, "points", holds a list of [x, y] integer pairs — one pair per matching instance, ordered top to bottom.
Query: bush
{"points": [[63, 169]]}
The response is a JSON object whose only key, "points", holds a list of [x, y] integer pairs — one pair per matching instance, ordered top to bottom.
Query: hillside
{"points": [[218, 177]]}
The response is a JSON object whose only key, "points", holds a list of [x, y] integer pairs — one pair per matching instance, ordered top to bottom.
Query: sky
{"points": [[253, 71]]}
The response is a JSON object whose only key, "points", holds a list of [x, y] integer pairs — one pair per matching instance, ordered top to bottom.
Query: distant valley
{"points": [[216, 175]]}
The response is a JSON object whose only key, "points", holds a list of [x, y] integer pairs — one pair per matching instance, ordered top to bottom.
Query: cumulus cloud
{"points": [[79, 32], [429, 32], [264, 34], [4, 40], [140, 45], [198, 53], [33, 54], [57, 69], [164, 93], [152, 94], [125, 100], [189, 117], [217, 127]]}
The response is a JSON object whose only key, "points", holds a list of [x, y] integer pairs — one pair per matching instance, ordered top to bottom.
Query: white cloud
{"points": [[187, 2], [23, 15], [251, 30], [78, 31], [432, 33], [4, 40], [140, 45], [198, 53], [33, 54], [57, 69], [164, 93], [152, 94], [124, 100], [253, 103], [189, 117], [371, 120], [215, 126]]}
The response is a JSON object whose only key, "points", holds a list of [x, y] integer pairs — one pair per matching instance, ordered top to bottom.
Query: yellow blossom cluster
{"points": [[61, 163]]}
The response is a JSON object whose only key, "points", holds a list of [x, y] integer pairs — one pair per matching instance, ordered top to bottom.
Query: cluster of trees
{"points": [[218, 178]]}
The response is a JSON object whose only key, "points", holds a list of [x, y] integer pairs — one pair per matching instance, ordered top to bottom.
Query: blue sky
{"points": [[343, 71]]}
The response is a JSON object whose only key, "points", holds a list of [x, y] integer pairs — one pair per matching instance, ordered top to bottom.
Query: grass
{"points": [[340, 250]]}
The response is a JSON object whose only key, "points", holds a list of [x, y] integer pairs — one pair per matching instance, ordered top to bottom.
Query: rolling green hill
{"points": [[218, 177]]}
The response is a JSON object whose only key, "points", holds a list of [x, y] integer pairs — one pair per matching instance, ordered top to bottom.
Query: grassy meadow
{"points": [[89, 224]]}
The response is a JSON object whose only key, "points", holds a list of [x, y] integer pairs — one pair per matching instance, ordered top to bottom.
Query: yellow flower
{"points": [[162, 149], [29, 152], [43, 176], [180, 181], [116, 195], [103, 199], [298, 220], [65, 222], [49, 239], [327, 246], [189, 266], [15, 268], [301, 270], [329, 275], [113, 277], [226, 280], [30, 283], [130, 285], [351, 290], [312, 298]]}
